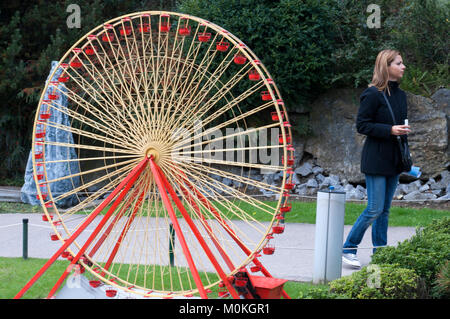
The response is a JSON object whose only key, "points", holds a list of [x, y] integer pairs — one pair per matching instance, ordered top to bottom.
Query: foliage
{"points": [[414, 27], [32, 34], [293, 38], [307, 45], [425, 253], [393, 282], [441, 289]]}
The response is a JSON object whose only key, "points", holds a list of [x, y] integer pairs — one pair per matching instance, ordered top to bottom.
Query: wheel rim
{"points": [[136, 90]]}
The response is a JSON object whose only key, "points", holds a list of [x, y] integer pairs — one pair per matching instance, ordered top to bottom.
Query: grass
{"points": [[302, 212], [15, 273]]}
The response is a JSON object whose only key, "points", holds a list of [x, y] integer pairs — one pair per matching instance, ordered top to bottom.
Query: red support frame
{"points": [[130, 178], [227, 228], [98, 229], [178, 231], [196, 232]]}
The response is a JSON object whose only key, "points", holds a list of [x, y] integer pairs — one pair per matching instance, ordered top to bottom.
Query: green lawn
{"points": [[15, 273]]}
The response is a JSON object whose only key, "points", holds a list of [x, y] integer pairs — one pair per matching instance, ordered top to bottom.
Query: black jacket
{"points": [[381, 154]]}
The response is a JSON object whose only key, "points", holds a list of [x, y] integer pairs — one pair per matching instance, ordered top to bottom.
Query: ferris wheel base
{"points": [[77, 287]]}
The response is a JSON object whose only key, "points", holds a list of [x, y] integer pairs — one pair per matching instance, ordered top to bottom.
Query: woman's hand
{"points": [[400, 129]]}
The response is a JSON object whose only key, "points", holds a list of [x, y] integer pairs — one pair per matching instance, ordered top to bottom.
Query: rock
{"points": [[442, 97], [428, 139], [334, 143], [58, 169], [304, 170], [317, 170], [320, 178], [445, 178], [332, 180], [312, 183], [437, 185], [414, 186], [348, 188], [301, 189], [361, 189], [354, 194], [417, 195], [445, 197]]}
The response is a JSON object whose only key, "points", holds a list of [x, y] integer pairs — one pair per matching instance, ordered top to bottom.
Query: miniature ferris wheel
{"points": [[170, 115]]}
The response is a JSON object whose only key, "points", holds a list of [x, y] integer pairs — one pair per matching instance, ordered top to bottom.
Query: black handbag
{"points": [[403, 145]]}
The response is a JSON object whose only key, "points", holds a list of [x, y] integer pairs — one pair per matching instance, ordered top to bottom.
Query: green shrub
{"points": [[293, 38], [425, 252], [377, 282], [442, 283], [320, 292]]}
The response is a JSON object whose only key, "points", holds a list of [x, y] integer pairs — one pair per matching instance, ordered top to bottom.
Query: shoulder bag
{"points": [[403, 145]]}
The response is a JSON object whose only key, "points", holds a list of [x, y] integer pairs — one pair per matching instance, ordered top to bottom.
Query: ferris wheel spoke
{"points": [[130, 69], [184, 72], [115, 74], [192, 83], [206, 88], [220, 94], [99, 96], [229, 105], [104, 115], [86, 120], [216, 128], [240, 133], [87, 134], [87, 147], [186, 159], [89, 171], [120, 172], [237, 178], [214, 185], [211, 186], [206, 211], [226, 225], [178, 231]]}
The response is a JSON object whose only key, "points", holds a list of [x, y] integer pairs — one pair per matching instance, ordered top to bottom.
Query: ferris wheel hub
{"points": [[152, 152]]}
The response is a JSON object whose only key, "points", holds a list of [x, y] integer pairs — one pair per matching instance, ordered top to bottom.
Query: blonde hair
{"points": [[380, 76]]}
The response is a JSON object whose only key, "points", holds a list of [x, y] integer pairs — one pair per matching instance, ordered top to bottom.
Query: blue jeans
{"points": [[380, 190]]}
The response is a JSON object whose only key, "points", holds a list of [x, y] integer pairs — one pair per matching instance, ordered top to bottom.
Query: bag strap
{"points": [[390, 108], [393, 117]]}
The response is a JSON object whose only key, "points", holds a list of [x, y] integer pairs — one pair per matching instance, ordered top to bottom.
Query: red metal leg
{"points": [[80, 229], [97, 230], [178, 231], [197, 234]]}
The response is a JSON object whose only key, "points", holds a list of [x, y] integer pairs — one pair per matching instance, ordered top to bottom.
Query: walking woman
{"points": [[381, 159]]}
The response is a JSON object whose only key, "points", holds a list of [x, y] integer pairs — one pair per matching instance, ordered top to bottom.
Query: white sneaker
{"points": [[351, 260]]}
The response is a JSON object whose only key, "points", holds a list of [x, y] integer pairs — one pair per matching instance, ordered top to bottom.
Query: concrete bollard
{"points": [[328, 236]]}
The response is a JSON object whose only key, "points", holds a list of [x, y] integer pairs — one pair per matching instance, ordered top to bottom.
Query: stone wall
{"points": [[332, 154]]}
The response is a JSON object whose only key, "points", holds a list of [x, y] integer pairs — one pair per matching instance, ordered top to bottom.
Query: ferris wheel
{"points": [[174, 122]]}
